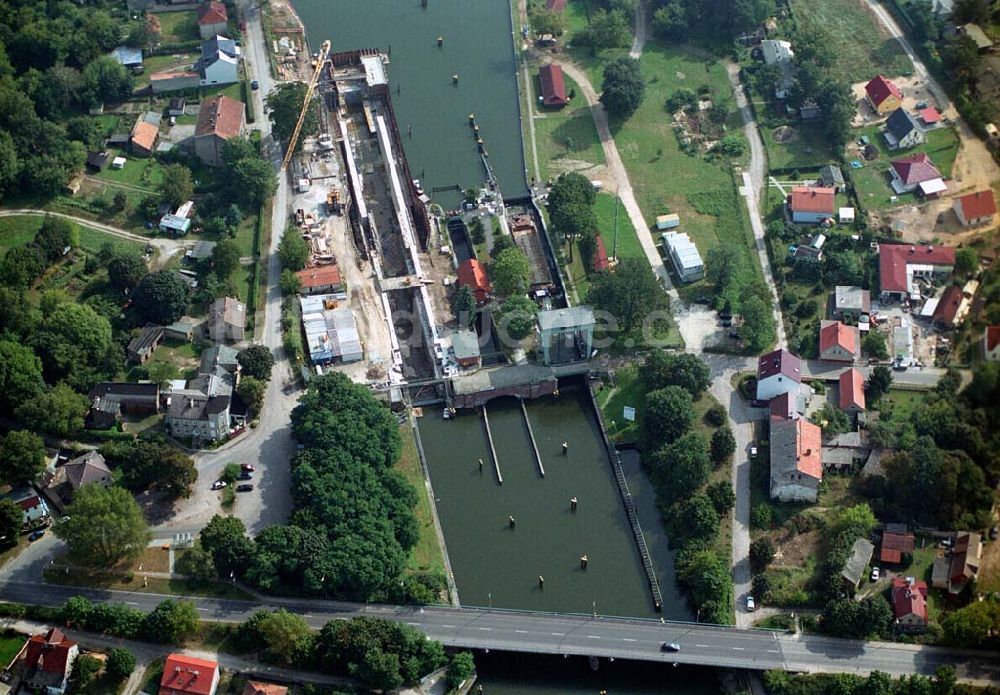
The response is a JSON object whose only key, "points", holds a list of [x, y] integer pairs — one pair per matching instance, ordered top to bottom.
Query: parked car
{"points": [[255, 85], [726, 323], [753, 452], [248, 467], [246, 475], [219, 484], [244, 488], [994, 533], [35, 535], [875, 574], [751, 606], [670, 647]]}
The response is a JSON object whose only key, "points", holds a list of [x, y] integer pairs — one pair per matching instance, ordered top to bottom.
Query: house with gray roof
{"points": [[902, 130], [830, 176], [88, 469], [857, 562]]}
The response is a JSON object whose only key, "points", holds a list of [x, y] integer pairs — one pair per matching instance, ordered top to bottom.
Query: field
{"points": [[178, 27], [860, 46], [166, 61], [567, 139], [806, 149], [871, 181], [20, 229], [627, 245], [426, 556], [10, 644]]}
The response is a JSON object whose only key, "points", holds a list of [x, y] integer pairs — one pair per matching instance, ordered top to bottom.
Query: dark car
{"points": [[255, 85], [727, 323], [734, 335], [246, 475], [244, 488], [994, 533], [35, 535], [670, 647]]}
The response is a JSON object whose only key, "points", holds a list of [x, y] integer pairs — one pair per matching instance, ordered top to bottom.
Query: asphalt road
{"points": [[924, 378], [551, 633]]}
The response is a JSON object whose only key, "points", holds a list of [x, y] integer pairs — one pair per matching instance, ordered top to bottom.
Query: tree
{"points": [[971, 11], [547, 21], [670, 21], [605, 30], [960, 57], [106, 80], [623, 88], [837, 102], [283, 105], [733, 145], [253, 180], [177, 185], [569, 189], [55, 236], [293, 250], [225, 258], [966, 261], [21, 265], [842, 268], [125, 271], [511, 272], [290, 283], [631, 293], [161, 297], [465, 306], [517, 317], [758, 324], [74, 342], [873, 344], [256, 361], [684, 369], [20, 374], [879, 382], [252, 392], [59, 411], [716, 415], [666, 416], [832, 420], [723, 445], [22, 456], [682, 466], [177, 474], [722, 496], [761, 517], [11, 520], [105, 527], [226, 539], [761, 553], [197, 565], [707, 577], [761, 587], [846, 617], [171, 621], [971, 626], [287, 636], [120, 663], [461, 666], [83, 674]]}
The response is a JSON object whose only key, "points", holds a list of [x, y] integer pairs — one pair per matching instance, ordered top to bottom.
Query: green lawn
{"points": [[178, 27], [860, 46], [166, 61], [567, 139], [806, 149], [145, 173], [872, 180], [21, 229], [627, 245], [627, 391], [426, 555], [10, 644]]}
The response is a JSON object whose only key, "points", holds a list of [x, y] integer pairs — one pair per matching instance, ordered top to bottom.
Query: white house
{"points": [[219, 62], [902, 130], [811, 204], [975, 209], [684, 254], [778, 372]]}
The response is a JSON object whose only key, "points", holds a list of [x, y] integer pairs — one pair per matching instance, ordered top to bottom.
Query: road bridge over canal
{"points": [[584, 635]]}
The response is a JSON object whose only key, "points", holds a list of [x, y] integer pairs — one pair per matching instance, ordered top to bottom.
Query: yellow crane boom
{"points": [[324, 51]]}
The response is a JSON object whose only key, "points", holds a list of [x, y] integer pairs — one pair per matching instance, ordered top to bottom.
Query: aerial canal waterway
{"points": [[477, 46], [497, 564]]}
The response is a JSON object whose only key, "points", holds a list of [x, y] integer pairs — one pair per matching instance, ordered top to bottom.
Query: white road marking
{"points": [[132, 603], [413, 624], [447, 626], [484, 629], [521, 632], [557, 634], [593, 637], [627, 639], [703, 646], [738, 649], [772, 651]]}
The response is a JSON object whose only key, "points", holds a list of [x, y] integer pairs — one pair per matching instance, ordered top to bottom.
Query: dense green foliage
{"points": [[623, 87], [283, 105], [293, 250], [510, 272], [631, 294], [161, 297], [517, 316], [256, 361], [682, 369], [22, 456], [151, 463], [105, 527], [171, 622], [877, 683]]}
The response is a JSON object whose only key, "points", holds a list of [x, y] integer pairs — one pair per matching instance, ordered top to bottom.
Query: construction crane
{"points": [[324, 51]]}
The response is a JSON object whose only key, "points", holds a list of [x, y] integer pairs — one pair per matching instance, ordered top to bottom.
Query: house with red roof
{"points": [[212, 19], [550, 77], [883, 95], [929, 115], [220, 118], [143, 138], [916, 173], [811, 204], [975, 209], [900, 264], [472, 274], [321, 279], [948, 312], [838, 342], [991, 344], [778, 372], [852, 391], [786, 406], [796, 461], [896, 542], [953, 571], [909, 604], [47, 661], [188, 675], [264, 688]]}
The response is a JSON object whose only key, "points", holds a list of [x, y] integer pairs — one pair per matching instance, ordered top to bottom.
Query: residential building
{"points": [[212, 19], [978, 36], [778, 52], [130, 58], [219, 61], [550, 77], [883, 95], [175, 107], [929, 116], [220, 119], [902, 130], [143, 138], [98, 161], [916, 173], [830, 176], [811, 204], [975, 209], [172, 223], [201, 251], [810, 251], [685, 256], [900, 264], [472, 274], [322, 279], [850, 301], [948, 312], [227, 319], [182, 330], [566, 335], [838, 342], [991, 344], [142, 346], [466, 346], [221, 357], [778, 372], [852, 391], [108, 400], [787, 406], [197, 415], [846, 451], [796, 461], [88, 469], [34, 509], [896, 542], [857, 562], [954, 570], [909, 604], [48, 661], [187, 675], [264, 688]]}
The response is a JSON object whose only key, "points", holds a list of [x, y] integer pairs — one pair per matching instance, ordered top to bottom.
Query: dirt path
{"points": [[641, 28]]}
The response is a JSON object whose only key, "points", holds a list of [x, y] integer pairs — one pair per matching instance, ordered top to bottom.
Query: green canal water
{"points": [[478, 45], [494, 563]]}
